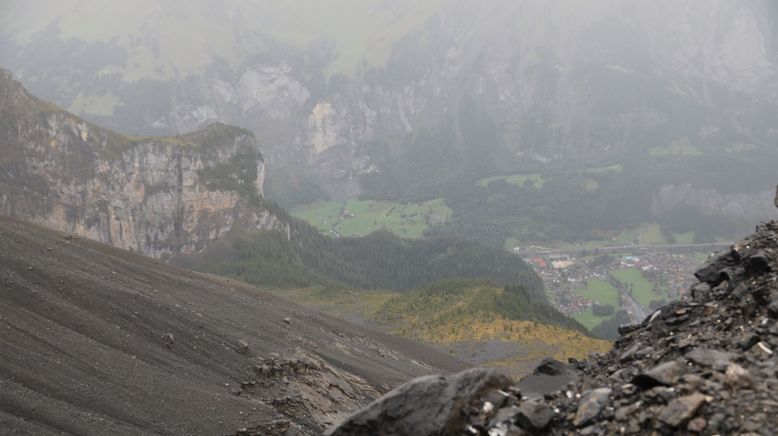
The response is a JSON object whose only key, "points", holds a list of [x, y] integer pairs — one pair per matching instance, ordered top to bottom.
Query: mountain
{"points": [[617, 106], [157, 196], [198, 199], [98, 340], [702, 365]]}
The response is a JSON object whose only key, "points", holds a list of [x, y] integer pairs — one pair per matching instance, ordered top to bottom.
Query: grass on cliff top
{"points": [[210, 137]]}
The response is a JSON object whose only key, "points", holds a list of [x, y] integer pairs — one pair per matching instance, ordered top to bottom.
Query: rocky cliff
{"points": [[158, 196], [703, 365]]}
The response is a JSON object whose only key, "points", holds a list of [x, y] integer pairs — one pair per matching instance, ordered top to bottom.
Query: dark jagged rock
{"points": [[713, 358], [705, 364], [550, 366], [664, 374], [547, 377], [430, 405], [591, 405], [681, 409], [534, 416]]}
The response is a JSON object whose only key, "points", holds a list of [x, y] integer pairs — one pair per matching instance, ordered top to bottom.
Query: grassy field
{"points": [[675, 149], [615, 168], [517, 179], [591, 185], [361, 217], [684, 238], [642, 289], [602, 292], [589, 319]]}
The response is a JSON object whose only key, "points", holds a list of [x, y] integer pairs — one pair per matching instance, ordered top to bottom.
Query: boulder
{"points": [[664, 374], [592, 403], [426, 406], [682, 409], [534, 415]]}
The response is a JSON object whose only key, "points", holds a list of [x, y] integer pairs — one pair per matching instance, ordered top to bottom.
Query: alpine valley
{"points": [[260, 216]]}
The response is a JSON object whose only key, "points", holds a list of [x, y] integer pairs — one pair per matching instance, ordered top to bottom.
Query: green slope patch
{"points": [[534, 180], [362, 217], [589, 319]]}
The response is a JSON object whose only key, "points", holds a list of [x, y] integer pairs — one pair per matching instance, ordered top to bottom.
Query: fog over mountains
{"points": [[418, 100], [507, 182]]}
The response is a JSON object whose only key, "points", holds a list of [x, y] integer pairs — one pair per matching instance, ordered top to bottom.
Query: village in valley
{"points": [[595, 285]]}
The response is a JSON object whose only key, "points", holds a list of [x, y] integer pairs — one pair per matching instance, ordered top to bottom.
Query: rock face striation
{"points": [[157, 196], [707, 364]]}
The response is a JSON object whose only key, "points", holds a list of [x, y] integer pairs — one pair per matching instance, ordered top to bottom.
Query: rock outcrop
{"points": [[157, 196], [707, 364], [427, 406]]}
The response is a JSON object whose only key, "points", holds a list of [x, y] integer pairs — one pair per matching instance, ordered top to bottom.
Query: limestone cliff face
{"points": [[158, 196]]}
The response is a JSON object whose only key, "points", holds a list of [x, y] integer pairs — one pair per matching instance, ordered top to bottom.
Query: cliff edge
{"points": [[160, 196]]}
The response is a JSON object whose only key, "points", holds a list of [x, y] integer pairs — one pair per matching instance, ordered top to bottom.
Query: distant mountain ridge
{"points": [[411, 100]]}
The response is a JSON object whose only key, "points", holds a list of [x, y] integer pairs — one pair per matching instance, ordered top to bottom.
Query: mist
{"points": [[485, 183]]}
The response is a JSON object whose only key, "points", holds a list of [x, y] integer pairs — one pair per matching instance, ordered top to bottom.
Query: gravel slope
{"points": [[97, 340]]}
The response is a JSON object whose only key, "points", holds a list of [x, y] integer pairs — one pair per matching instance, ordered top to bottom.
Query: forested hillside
{"points": [[380, 260]]}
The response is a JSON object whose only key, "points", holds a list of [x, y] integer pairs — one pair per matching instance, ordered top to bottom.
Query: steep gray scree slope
{"points": [[97, 340], [707, 364]]}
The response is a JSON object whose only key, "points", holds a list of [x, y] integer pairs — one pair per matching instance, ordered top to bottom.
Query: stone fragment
{"points": [[757, 262], [700, 291], [772, 309], [287, 320], [627, 329], [169, 339], [748, 341], [241, 346], [715, 359], [549, 366], [664, 374], [737, 376], [661, 393], [591, 404], [682, 409], [625, 412], [506, 414], [534, 415], [697, 425]]}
